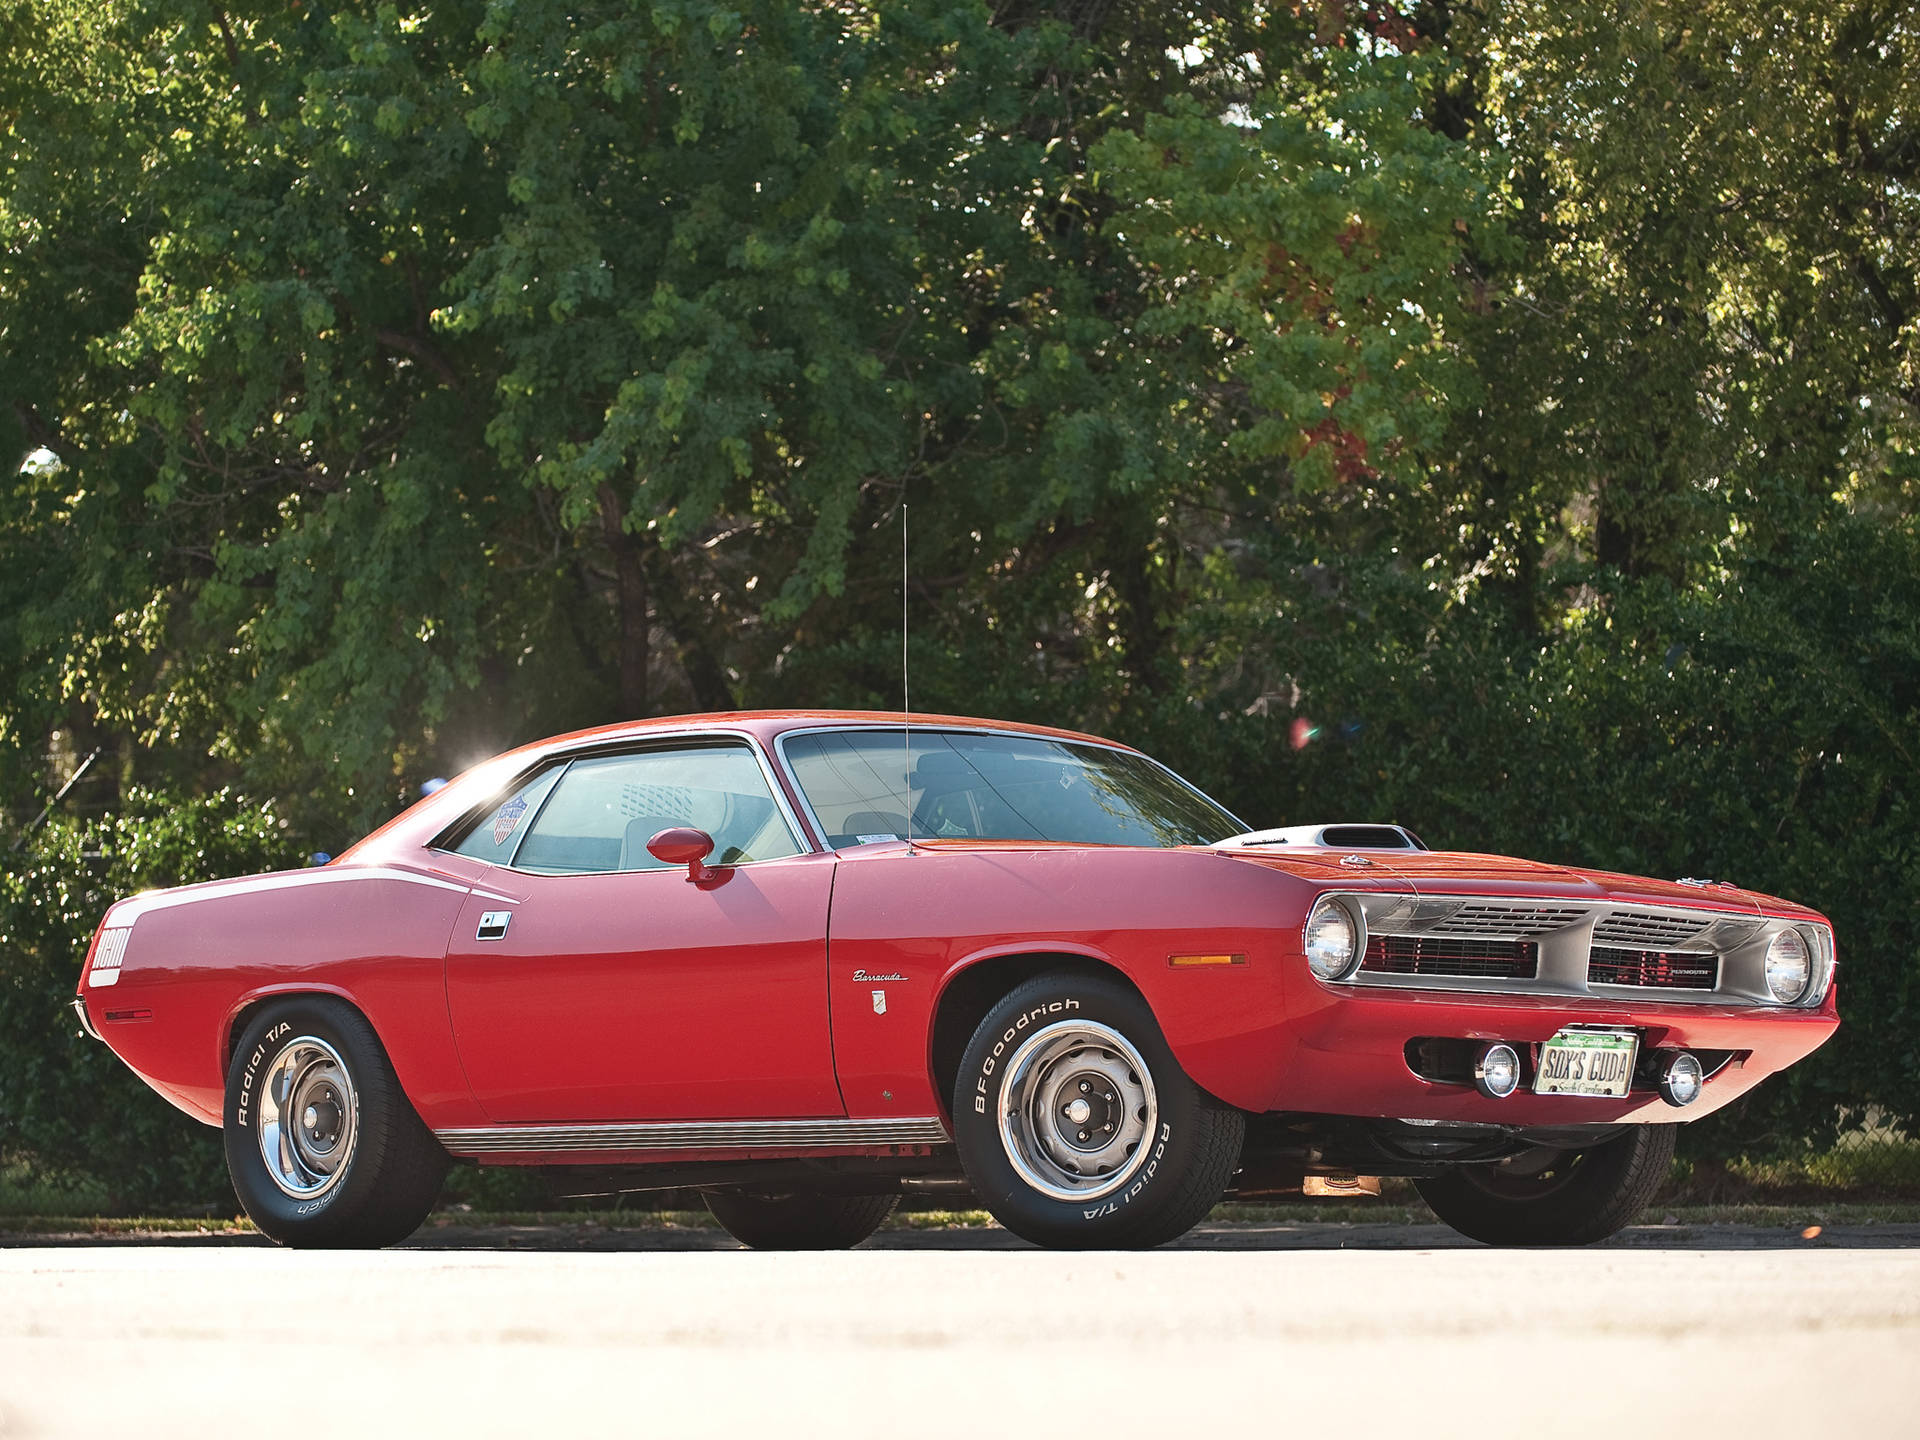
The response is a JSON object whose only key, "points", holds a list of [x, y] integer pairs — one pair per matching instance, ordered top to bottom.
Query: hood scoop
{"points": [[1326, 837]]}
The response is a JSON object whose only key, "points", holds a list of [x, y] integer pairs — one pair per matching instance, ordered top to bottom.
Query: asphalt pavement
{"points": [[1347, 1330]]}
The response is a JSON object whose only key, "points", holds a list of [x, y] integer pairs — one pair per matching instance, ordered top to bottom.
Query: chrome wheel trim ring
{"points": [[1056, 1071], [307, 1120]]}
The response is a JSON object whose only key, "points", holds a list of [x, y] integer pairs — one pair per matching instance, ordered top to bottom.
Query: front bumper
{"points": [[1351, 1054]]}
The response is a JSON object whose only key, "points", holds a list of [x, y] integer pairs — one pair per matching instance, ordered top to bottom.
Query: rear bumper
{"points": [[79, 1003], [1350, 1055]]}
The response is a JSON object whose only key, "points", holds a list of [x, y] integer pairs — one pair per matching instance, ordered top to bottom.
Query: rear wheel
{"points": [[1077, 1127], [324, 1147], [1555, 1197], [798, 1219]]}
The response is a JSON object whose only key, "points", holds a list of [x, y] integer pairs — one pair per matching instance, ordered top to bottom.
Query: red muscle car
{"points": [[807, 962]]}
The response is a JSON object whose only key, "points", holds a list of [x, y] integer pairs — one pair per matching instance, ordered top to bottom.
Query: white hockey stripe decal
{"points": [[128, 911]]}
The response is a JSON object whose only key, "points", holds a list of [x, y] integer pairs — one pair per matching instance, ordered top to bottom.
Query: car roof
{"points": [[768, 725], [416, 825]]}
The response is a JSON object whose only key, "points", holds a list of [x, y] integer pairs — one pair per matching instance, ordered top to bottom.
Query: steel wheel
{"points": [[1076, 1102], [308, 1118]]}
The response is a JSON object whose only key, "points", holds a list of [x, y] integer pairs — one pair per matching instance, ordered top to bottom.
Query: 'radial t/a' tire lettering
{"points": [[1077, 1127], [323, 1146]]}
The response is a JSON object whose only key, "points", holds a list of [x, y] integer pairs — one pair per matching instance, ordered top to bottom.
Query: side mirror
{"points": [[683, 845]]}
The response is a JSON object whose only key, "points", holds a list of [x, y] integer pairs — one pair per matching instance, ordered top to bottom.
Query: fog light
{"points": [[1496, 1071], [1682, 1079]]}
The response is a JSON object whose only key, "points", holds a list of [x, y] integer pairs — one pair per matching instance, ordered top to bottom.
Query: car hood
{"points": [[1444, 872]]}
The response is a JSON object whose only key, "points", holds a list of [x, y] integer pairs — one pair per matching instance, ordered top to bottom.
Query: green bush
{"points": [[70, 1113]]}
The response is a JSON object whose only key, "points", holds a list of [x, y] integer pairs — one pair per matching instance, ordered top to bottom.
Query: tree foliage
{"points": [[1519, 397]]}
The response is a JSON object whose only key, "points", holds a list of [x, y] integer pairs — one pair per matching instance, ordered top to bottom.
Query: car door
{"points": [[596, 984]]}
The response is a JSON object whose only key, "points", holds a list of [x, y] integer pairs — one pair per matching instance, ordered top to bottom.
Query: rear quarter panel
{"points": [[199, 956]]}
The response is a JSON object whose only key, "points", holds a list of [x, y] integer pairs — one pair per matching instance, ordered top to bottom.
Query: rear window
{"points": [[497, 835]]}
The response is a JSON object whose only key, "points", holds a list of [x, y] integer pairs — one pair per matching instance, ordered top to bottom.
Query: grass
{"points": [[1865, 1164], [24, 1193], [122, 1225]]}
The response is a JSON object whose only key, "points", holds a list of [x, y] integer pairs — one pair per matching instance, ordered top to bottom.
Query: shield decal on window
{"points": [[506, 818]]}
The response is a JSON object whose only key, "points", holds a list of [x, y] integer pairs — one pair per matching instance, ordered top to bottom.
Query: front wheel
{"points": [[1076, 1125], [324, 1147], [1555, 1197], [798, 1219]]}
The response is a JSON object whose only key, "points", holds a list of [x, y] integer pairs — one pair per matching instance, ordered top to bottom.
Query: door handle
{"points": [[493, 925]]}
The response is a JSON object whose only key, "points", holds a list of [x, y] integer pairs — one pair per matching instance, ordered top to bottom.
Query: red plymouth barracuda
{"points": [[807, 962]]}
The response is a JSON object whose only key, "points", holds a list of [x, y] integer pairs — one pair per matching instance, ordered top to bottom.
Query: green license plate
{"points": [[1587, 1062]]}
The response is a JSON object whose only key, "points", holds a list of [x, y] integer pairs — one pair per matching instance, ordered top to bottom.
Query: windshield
{"points": [[961, 784]]}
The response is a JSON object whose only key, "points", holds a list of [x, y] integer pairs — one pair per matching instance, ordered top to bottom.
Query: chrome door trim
{"points": [[786, 765], [673, 1135]]}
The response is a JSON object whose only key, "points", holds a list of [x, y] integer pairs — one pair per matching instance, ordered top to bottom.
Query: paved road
{"points": [[1341, 1331]]}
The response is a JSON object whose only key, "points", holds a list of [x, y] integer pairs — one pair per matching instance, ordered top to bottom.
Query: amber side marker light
{"points": [[1187, 962]]}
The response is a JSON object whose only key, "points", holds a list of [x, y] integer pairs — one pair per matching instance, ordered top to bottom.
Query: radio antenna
{"points": [[906, 693]]}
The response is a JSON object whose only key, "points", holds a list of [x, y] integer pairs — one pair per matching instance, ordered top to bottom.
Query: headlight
{"points": [[1332, 940], [1788, 967]]}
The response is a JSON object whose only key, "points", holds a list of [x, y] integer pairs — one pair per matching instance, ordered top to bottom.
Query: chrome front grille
{"points": [[1504, 918], [1645, 929], [1570, 947], [1446, 955], [1653, 969]]}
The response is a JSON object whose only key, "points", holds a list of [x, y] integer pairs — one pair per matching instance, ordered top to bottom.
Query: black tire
{"points": [[386, 1165], [1160, 1186], [1576, 1198], [799, 1219]]}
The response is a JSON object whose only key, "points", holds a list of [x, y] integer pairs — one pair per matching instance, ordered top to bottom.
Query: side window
{"points": [[605, 810], [495, 836]]}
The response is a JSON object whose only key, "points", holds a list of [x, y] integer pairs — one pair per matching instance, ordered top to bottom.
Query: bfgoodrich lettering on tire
{"points": [[1077, 1127], [323, 1146]]}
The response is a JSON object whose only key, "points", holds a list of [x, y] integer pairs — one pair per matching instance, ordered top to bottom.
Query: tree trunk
{"points": [[630, 591], [682, 608]]}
